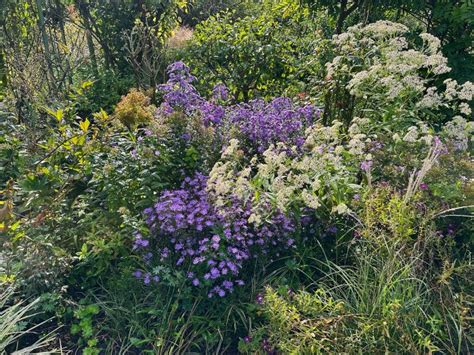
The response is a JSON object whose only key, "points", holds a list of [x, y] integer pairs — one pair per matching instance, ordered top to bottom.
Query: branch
{"points": [[56, 148]]}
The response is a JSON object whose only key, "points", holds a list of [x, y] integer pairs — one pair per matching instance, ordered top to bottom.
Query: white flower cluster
{"points": [[389, 68], [390, 80], [455, 96], [458, 132], [227, 170], [325, 175]]}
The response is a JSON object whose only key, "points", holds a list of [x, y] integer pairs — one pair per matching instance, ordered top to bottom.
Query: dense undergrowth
{"points": [[296, 179]]}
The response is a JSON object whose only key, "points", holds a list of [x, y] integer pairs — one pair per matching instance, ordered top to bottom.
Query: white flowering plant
{"points": [[378, 73], [323, 178]]}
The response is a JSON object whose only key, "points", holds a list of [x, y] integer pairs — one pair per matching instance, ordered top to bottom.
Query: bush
{"points": [[201, 10], [263, 54], [378, 73], [134, 109]]}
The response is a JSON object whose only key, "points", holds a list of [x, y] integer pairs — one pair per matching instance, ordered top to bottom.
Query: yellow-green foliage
{"points": [[134, 109], [386, 213], [391, 299], [310, 320]]}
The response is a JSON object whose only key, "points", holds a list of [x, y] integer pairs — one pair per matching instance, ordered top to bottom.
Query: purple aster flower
{"points": [[220, 92], [186, 136], [366, 165], [423, 186], [165, 253], [215, 273], [228, 284], [266, 346]]}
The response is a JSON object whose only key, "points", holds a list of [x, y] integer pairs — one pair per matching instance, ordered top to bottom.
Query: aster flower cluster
{"points": [[178, 90], [181, 95], [277, 121], [260, 123], [210, 245]]}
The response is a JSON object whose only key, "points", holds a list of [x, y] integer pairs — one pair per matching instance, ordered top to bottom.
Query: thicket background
{"points": [[224, 176]]}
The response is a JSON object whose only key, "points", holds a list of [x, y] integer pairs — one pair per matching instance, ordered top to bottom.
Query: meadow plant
{"points": [[377, 73], [258, 123], [323, 177], [211, 246], [390, 296], [14, 325]]}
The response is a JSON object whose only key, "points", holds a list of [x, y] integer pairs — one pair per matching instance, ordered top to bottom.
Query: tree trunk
{"points": [[84, 12], [344, 12], [342, 16], [45, 39], [64, 40]]}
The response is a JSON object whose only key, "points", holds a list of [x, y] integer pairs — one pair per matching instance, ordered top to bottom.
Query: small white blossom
{"points": [[467, 91], [464, 108], [412, 135], [341, 208]]}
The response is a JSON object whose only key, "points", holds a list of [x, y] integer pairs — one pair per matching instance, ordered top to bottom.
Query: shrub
{"points": [[201, 10], [263, 54], [105, 90], [134, 109]]}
